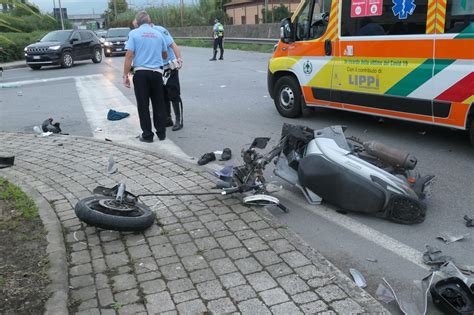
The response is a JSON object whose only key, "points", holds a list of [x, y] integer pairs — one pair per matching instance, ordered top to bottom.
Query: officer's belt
{"points": [[160, 70]]}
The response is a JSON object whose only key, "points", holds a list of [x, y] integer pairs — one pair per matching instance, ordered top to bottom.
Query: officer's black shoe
{"points": [[221, 58], [212, 59], [169, 122], [177, 126], [147, 140]]}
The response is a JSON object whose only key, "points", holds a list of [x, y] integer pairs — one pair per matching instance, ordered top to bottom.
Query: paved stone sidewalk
{"points": [[205, 253]]}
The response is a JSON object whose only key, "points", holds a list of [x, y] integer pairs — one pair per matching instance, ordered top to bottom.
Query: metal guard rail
{"points": [[236, 39]]}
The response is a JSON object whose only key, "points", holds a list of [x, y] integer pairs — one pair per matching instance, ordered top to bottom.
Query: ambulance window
{"points": [[459, 16], [383, 17], [320, 18], [302, 22]]}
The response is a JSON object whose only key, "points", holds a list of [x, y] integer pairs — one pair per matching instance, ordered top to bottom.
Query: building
{"points": [[250, 11], [84, 19]]}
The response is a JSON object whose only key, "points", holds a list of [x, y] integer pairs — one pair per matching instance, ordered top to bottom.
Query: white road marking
{"points": [[29, 82], [98, 95], [360, 229]]}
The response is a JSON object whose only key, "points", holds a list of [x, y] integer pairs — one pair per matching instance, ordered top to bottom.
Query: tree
{"points": [[117, 6], [275, 15]]}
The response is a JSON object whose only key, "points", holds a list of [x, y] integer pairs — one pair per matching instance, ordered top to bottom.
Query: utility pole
{"points": [[115, 9], [163, 11], [61, 15]]}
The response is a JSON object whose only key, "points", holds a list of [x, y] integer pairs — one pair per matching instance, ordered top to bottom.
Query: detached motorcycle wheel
{"points": [[288, 97], [90, 210]]}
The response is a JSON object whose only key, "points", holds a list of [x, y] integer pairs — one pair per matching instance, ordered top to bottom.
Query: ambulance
{"points": [[404, 59]]}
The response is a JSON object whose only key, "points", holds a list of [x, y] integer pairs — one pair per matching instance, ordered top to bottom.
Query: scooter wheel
{"points": [[406, 210], [136, 217]]}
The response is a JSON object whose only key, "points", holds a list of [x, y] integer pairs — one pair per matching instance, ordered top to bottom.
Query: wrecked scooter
{"points": [[366, 177]]}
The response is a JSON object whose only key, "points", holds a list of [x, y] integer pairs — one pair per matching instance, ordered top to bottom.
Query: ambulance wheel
{"points": [[288, 97]]}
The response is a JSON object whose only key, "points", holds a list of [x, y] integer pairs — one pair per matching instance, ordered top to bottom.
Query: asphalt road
{"points": [[226, 104]]}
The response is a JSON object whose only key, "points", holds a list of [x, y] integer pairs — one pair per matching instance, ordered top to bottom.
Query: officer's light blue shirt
{"points": [[168, 40], [147, 45]]}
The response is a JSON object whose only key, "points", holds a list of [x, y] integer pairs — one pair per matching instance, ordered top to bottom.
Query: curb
{"points": [[13, 66], [56, 250]]}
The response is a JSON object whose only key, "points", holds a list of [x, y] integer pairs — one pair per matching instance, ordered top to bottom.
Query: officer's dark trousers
{"points": [[218, 42], [149, 86], [173, 95]]}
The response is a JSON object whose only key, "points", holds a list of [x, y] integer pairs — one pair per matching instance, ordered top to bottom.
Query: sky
{"points": [[88, 6]]}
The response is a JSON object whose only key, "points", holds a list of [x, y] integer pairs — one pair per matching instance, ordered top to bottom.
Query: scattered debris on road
{"points": [[115, 115], [48, 126], [98, 129], [206, 158], [6, 161], [111, 168], [469, 221], [448, 238], [434, 257], [374, 260], [358, 278], [384, 294]]}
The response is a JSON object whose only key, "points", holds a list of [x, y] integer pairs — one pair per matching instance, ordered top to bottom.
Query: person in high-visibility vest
{"points": [[218, 34]]}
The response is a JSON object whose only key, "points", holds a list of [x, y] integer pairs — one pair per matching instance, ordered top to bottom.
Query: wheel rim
{"points": [[98, 55], [68, 60], [287, 97], [108, 206]]}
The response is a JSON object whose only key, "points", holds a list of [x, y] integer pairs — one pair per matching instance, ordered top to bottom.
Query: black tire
{"points": [[97, 55], [67, 60], [35, 67], [288, 97], [91, 212]]}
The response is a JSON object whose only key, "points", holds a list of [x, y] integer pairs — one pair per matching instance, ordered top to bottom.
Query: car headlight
{"points": [[107, 43], [54, 47], [26, 49]]}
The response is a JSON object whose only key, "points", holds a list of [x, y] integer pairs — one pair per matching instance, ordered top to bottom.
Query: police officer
{"points": [[218, 34], [147, 49], [171, 78], [172, 90]]}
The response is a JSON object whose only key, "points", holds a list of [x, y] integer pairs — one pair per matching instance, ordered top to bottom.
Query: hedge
{"points": [[14, 43]]}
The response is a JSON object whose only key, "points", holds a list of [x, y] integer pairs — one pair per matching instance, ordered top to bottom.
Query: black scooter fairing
{"points": [[339, 186]]}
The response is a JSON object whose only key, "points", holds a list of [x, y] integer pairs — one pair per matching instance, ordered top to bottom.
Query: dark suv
{"points": [[115, 41], [63, 48]]}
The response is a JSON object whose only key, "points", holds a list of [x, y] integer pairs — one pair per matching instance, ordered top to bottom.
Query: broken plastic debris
{"points": [[223, 86], [19, 93], [98, 129], [37, 130], [111, 168], [469, 221], [448, 238], [433, 256], [372, 260], [358, 278], [384, 294], [412, 300]]}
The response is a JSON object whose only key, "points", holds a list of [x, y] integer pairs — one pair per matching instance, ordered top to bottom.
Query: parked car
{"points": [[115, 41], [63, 48]]}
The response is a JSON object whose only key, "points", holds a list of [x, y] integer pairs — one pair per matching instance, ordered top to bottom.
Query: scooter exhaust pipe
{"points": [[391, 156]]}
